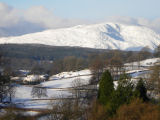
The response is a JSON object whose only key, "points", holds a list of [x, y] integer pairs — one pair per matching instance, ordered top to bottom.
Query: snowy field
{"points": [[147, 62], [59, 85], [56, 87]]}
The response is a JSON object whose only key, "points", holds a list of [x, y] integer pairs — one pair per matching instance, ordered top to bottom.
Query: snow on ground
{"points": [[99, 36], [147, 62], [24, 71], [134, 71], [143, 71], [138, 73], [70, 74], [30, 78], [63, 80], [115, 84], [57, 86], [24, 93], [23, 97], [30, 113]]}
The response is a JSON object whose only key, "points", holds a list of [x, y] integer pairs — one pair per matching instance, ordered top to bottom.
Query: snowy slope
{"points": [[99, 36], [147, 62], [70, 74], [64, 80]]}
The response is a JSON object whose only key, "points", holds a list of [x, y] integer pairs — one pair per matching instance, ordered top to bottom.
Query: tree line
{"points": [[26, 56]]}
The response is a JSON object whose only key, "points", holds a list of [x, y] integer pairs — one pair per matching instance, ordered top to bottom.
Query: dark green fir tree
{"points": [[106, 87]]}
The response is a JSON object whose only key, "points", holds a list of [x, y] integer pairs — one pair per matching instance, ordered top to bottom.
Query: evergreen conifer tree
{"points": [[106, 87], [141, 90], [123, 94]]}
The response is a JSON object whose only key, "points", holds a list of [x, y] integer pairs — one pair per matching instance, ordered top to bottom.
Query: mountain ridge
{"points": [[98, 36]]}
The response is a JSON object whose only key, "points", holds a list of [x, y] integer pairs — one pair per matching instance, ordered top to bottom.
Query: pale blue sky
{"points": [[94, 9]]}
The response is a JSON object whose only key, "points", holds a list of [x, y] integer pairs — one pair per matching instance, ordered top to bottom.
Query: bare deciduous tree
{"points": [[154, 79], [39, 92]]}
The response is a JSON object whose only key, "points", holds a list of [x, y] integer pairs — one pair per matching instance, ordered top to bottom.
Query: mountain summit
{"points": [[98, 36]]}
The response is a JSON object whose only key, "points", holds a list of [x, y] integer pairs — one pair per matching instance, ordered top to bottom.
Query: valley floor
{"points": [[60, 87]]}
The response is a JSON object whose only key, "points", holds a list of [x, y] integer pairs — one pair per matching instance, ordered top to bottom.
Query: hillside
{"points": [[99, 36]]}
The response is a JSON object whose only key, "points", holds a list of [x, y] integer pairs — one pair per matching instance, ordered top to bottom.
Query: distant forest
{"points": [[45, 52], [25, 56]]}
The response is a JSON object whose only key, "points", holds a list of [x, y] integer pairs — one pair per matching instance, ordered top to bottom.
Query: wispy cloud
{"points": [[8, 15], [42, 16], [37, 18], [34, 19], [153, 24]]}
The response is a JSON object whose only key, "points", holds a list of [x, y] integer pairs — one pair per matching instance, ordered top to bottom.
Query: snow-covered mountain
{"points": [[99, 36]]}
